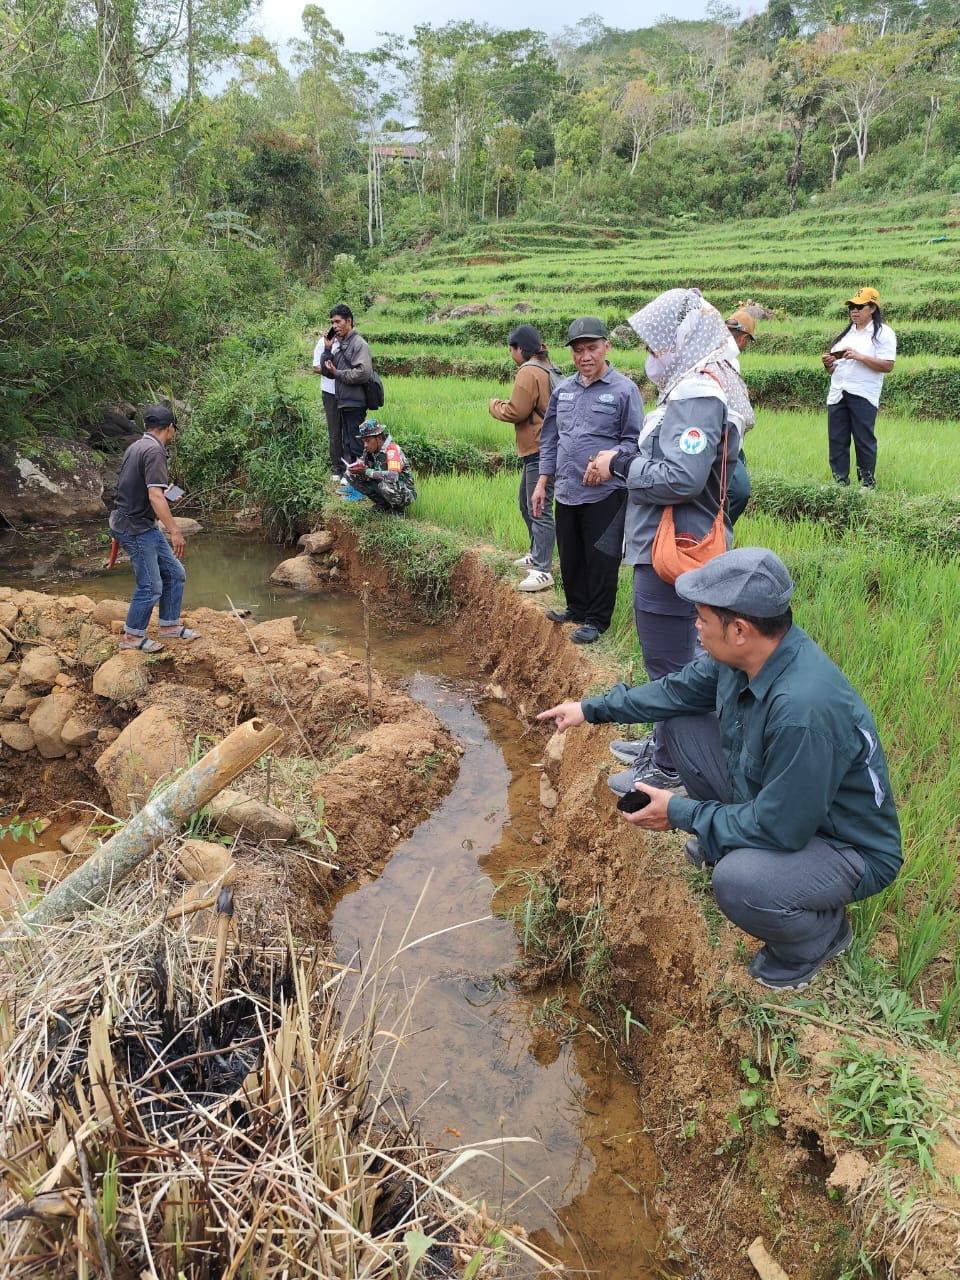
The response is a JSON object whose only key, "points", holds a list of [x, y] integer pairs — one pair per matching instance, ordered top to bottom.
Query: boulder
{"points": [[60, 483], [249, 518], [187, 526], [316, 544], [299, 572], [79, 604], [107, 611], [9, 612], [54, 626], [275, 632], [93, 645], [6, 648], [39, 669], [8, 673], [122, 677], [14, 701], [47, 724], [76, 732], [109, 733], [16, 735], [150, 747], [548, 797], [233, 811], [82, 838], [202, 861], [41, 868], [11, 892]]}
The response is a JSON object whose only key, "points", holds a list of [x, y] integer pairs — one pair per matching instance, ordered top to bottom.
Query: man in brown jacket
{"points": [[525, 409]]}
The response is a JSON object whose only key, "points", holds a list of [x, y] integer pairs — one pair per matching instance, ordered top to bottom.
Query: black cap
{"points": [[586, 327], [526, 337], [158, 415]]}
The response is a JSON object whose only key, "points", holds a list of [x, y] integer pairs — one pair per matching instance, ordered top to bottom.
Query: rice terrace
{"points": [[322, 954]]}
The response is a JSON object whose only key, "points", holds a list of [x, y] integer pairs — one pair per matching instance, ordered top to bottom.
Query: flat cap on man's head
{"points": [[586, 327], [158, 415], [748, 580]]}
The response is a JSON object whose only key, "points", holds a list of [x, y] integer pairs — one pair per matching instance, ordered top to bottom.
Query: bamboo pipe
{"points": [[157, 821]]}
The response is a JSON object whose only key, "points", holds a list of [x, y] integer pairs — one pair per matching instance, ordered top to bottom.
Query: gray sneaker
{"points": [[627, 750], [645, 771], [765, 970]]}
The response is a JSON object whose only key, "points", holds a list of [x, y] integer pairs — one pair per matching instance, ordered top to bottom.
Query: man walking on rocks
{"points": [[598, 408], [139, 503], [788, 796]]}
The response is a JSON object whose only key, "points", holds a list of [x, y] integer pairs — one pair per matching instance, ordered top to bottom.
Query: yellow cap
{"points": [[864, 295], [742, 321]]}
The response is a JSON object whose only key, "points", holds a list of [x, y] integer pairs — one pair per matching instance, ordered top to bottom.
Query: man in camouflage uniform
{"points": [[383, 473]]}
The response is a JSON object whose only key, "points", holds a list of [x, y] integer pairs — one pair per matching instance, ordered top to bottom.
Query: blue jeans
{"points": [[540, 528], [160, 576]]}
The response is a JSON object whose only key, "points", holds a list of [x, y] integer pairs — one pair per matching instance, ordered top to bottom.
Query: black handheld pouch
{"points": [[633, 801]]}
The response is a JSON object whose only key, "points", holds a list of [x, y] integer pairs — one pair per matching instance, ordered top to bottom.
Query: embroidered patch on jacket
{"points": [[566, 395], [606, 398], [693, 440]]}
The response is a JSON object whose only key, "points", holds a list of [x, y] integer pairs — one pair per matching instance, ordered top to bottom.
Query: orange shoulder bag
{"points": [[675, 553]]}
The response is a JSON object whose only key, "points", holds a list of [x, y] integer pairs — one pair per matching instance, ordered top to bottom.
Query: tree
{"points": [[866, 82], [799, 86], [641, 108]]}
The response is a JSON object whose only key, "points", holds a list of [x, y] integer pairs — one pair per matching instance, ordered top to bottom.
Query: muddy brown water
{"points": [[480, 1063]]}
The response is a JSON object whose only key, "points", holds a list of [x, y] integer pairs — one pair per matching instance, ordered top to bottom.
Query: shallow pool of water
{"points": [[479, 1064]]}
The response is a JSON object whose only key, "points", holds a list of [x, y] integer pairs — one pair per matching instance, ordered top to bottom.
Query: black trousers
{"points": [[852, 417], [352, 418], [334, 432], [589, 576]]}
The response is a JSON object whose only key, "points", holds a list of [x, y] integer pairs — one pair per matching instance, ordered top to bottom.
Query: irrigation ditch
{"points": [[587, 1057]]}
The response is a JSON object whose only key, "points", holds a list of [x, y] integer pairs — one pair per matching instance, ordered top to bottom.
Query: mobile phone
{"points": [[173, 493], [633, 801]]}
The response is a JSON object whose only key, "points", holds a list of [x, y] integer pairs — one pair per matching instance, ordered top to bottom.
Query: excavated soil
{"points": [[344, 731]]}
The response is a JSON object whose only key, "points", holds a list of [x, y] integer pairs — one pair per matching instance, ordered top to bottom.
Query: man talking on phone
{"points": [[141, 510], [788, 797]]}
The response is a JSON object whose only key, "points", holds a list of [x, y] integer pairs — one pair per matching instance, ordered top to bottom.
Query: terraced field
{"points": [[878, 576]]}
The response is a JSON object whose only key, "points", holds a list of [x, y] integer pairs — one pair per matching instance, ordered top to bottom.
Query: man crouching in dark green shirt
{"points": [[789, 796]]}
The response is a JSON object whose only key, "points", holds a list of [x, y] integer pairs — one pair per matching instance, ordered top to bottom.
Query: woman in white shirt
{"points": [[326, 348], [856, 361]]}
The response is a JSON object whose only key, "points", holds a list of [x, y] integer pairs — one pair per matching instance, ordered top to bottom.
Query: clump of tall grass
{"points": [[152, 1126]]}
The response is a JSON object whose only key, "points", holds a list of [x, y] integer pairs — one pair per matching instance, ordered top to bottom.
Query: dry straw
{"points": [[150, 1131]]}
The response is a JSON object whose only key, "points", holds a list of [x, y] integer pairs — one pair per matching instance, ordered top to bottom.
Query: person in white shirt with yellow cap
{"points": [[857, 360]]}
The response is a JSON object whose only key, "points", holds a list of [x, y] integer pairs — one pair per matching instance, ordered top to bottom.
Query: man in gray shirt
{"points": [[597, 409], [139, 502]]}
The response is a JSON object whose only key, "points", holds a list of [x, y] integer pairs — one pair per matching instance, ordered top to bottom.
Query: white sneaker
{"points": [[343, 483], [525, 562], [536, 580]]}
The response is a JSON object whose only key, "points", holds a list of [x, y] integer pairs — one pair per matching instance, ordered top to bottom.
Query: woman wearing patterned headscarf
{"points": [[678, 464]]}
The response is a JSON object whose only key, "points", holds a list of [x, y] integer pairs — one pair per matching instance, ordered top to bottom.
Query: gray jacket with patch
{"points": [[580, 422], [678, 465]]}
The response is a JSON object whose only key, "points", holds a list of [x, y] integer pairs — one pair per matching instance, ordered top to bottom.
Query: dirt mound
{"points": [[359, 764]]}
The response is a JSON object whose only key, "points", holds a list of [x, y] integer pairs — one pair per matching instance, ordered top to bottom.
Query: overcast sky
{"points": [[361, 20]]}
